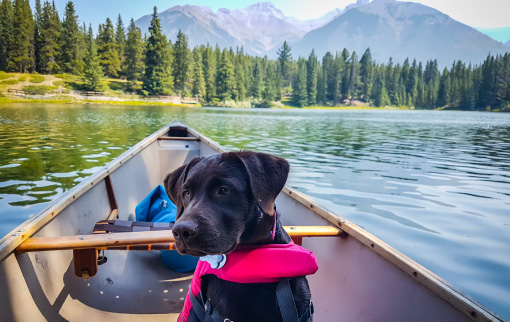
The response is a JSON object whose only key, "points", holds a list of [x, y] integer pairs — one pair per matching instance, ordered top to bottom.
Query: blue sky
{"points": [[477, 13]]}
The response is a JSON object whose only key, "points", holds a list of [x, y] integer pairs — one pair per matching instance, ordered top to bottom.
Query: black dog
{"points": [[223, 201]]}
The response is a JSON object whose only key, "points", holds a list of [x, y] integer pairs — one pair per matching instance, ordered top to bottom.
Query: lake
{"points": [[434, 185]]}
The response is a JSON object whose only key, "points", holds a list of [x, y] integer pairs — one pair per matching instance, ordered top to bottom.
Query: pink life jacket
{"points": [[254, 264]]}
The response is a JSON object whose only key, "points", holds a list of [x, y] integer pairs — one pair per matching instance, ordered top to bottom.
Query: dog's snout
{"points": [[184, 230]]}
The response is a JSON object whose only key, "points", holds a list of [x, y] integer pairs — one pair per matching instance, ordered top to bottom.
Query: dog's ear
{"points": [[268, 175], [174, 181]]}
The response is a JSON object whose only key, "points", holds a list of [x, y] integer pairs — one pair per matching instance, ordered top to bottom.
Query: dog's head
{"points": [[221, 199]]}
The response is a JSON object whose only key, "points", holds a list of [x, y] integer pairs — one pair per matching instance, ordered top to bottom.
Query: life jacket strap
{"points": [[286, 301]]}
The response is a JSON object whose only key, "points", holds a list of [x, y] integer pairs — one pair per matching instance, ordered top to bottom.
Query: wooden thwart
{"points": [[166, 138], [107, 241]]}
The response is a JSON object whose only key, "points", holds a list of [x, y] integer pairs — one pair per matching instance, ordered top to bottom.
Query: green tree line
{"points": [[43, 42]]}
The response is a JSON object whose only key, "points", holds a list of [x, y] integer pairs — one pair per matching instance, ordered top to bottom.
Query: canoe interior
{"points": [[354, 281]]}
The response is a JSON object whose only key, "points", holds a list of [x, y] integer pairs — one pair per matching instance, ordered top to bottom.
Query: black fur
{"points": [[223, 201]]}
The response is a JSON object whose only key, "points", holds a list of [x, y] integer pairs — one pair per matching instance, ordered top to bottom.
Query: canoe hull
{"points": [[360, 278]]}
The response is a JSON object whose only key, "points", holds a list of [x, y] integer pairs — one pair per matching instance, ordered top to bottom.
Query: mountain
{"points": [[258, 28], [399, 30], [499, 34]]}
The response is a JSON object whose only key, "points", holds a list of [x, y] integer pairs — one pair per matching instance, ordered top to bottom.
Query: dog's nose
{"points": [[184, 230]]}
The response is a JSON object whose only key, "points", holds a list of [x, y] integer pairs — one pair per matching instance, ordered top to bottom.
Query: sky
{"points": [[476, 13]]}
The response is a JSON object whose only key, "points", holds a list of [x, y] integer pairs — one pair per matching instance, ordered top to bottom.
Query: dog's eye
{"points": [[224, 191], [185, 193]]}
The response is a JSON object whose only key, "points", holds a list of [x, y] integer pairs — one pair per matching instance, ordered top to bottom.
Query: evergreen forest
{"points": [[41, 41]]}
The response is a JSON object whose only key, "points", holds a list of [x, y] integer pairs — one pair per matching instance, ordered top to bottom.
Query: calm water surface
{"points": [[435, 185]]}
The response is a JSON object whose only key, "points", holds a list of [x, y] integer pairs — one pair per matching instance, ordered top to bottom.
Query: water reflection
{"points": [[435, 185]]}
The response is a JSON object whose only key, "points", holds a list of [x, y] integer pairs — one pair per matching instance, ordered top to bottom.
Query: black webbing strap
{"points": [[283, 295], [286, 301], [198, 307]]}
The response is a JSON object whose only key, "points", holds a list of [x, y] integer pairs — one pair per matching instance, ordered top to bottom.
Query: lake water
{"points": [[434, 185]]}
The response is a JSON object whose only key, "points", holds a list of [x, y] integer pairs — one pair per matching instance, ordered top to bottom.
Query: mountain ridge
{"points": [[389, 28]]}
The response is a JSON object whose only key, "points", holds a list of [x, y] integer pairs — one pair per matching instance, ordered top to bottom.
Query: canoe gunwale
{"points": [[415, 271]]}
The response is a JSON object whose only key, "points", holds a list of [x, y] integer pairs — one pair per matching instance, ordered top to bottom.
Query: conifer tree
{"points": [[6, 32], [50, 35], [120, 39], [38, 40], [108, 50], [134, 52], [21, 58], [71, 58], [209, 61], [284, 61], [312, 66], [181, 67], [92, 73], [330, 73], [346, 74], [366, 74], [198, 75], [158, 78], [225, 80], [353, 82], [257, 83], [270, 88], [299, 93], [379, 93]]}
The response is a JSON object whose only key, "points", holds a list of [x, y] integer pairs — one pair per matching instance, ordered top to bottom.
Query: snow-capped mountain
{"points": [[258, 28], [390, 28]]}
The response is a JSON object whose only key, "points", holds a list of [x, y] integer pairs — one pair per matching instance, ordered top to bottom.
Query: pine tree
{"points": [[6, 33], [50, 33], [120, 39], [38, 40], [108, 50], [21, 58], [71, 58], [284, 60], [209, 61], [134, 63], [312, 66], [181, 67], [330, 72], [92, 73], [366, 74], [198, 75], [158, 78], [225, 79], [412, 81], [353, 82], [257, 83], [344, 89], [299, 93], [379, 93], [269, 94]]}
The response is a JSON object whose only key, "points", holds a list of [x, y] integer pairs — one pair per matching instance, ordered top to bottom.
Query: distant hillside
{"points": [[400, 30], [499, 34]]}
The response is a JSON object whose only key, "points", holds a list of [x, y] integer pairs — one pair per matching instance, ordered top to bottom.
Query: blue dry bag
{"points": [[157, 207]]}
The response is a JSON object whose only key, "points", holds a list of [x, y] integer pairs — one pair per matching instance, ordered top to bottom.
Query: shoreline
{"points": [[73, 100]]}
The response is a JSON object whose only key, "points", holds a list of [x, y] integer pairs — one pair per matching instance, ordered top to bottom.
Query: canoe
{"points": [[360, 277]]}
